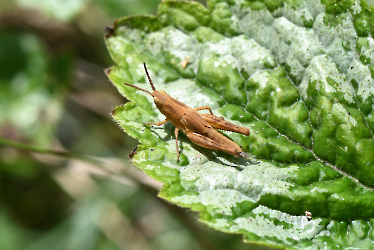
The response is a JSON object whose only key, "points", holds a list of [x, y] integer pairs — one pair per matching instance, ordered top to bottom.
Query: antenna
{"points": [[149, 78], [138, 88]]}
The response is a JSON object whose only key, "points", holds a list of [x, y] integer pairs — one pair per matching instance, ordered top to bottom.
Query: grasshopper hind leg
{"points": [[206, 142]]}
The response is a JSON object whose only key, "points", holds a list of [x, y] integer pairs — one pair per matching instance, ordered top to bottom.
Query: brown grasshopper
{"points": [[199, 128]]}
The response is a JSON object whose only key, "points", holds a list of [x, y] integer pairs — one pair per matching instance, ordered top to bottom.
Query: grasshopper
{"points": [[199, 128]]}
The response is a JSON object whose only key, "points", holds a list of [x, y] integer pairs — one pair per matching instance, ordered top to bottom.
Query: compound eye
{"points": [[162, 91], [155, 99]]}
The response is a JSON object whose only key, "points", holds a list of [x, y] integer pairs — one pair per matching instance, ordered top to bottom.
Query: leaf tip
{"points": [[109, 31], [107, 71], [114, 111], [132, 153]]}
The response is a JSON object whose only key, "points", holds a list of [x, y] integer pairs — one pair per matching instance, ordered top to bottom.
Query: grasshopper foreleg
{"points": [[156, 123], [176, 133]]}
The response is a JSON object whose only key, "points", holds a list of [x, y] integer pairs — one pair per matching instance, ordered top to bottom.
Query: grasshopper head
{"points": [[159, 97]]}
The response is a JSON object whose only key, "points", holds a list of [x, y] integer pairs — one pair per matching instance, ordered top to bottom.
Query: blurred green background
{"points": [[65, 178]]}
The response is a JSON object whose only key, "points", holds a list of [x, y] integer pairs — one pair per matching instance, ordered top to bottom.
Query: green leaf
{"points": [[298, 75]]}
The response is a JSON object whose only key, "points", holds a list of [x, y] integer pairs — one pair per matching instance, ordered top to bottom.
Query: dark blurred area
{"points": [[65, 179]]}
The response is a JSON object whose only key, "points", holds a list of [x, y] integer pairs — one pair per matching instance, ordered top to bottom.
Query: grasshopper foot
{"points": [[243, 155]]}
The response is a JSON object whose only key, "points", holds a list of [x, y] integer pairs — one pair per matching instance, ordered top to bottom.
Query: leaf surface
{"points": [[298, 75]]}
